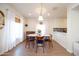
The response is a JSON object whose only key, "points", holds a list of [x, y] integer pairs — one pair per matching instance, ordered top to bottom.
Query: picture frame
{"points": [[2, 19], [17, 19]]}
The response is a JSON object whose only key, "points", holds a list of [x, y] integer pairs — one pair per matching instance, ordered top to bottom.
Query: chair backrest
{"points": [[30, 32], [39, 37], [46, 37], [31, 38]]}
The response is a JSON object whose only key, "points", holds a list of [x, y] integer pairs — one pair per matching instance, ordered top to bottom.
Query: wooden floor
{"points": [[20, 50]]}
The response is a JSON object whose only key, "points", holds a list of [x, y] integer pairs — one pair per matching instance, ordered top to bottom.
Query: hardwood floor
{"points": [[20, 50]]}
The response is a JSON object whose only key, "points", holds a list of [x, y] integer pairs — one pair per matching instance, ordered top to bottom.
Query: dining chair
{"points": [[29, 40], [49, 40], [39, 42]]}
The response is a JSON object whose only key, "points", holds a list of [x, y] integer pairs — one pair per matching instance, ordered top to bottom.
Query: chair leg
{"points": [[26, 44], [33, 44], [49, 44], [52, 44], [36, 46], [43, 46], [36, 49], [43, 49]]}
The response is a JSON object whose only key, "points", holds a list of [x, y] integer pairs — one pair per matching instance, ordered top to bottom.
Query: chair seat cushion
{"points": [[31, 38], [39, 41], [40, 45]]}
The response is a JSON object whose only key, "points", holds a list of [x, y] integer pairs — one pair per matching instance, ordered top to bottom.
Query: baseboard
{"points": [[69, 51]]}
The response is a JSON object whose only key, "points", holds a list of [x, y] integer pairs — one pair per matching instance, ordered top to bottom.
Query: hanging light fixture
{"points": [[41, 17]]}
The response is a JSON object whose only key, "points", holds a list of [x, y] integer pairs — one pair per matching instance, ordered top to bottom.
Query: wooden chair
{"points": [[29, 40], [49, 40], [39, 42]]}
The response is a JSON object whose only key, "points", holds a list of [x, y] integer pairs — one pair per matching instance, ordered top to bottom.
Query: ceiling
{"points": [[49, 10]]}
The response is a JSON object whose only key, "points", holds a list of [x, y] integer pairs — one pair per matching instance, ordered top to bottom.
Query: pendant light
{"points": [[41, 17]]}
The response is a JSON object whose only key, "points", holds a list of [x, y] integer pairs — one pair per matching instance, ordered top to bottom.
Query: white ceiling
{"points": [[49, 10]]}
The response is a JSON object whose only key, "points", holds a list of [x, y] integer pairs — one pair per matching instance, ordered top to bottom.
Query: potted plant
{"points": [[39, 32]]}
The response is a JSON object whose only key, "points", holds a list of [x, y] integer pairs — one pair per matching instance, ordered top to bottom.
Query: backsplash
{"points": [[60, 30]]}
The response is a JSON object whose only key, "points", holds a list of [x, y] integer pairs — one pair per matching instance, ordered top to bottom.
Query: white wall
{"points": [[49, 23], [60, 23], [31, 24], [73, 28], [12, 33]]}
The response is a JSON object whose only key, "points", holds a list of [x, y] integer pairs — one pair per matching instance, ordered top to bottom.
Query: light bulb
{"points": [[40, 18]]}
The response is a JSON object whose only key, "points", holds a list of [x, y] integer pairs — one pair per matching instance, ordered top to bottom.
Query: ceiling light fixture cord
{"points": [[41, 10], [40, 17]]}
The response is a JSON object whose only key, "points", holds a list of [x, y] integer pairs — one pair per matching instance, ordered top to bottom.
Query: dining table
{"points": [[34, 35], [40, 38]]}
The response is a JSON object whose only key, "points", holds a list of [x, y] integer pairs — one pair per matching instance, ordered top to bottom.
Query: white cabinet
{"points": [[60, 37]]}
